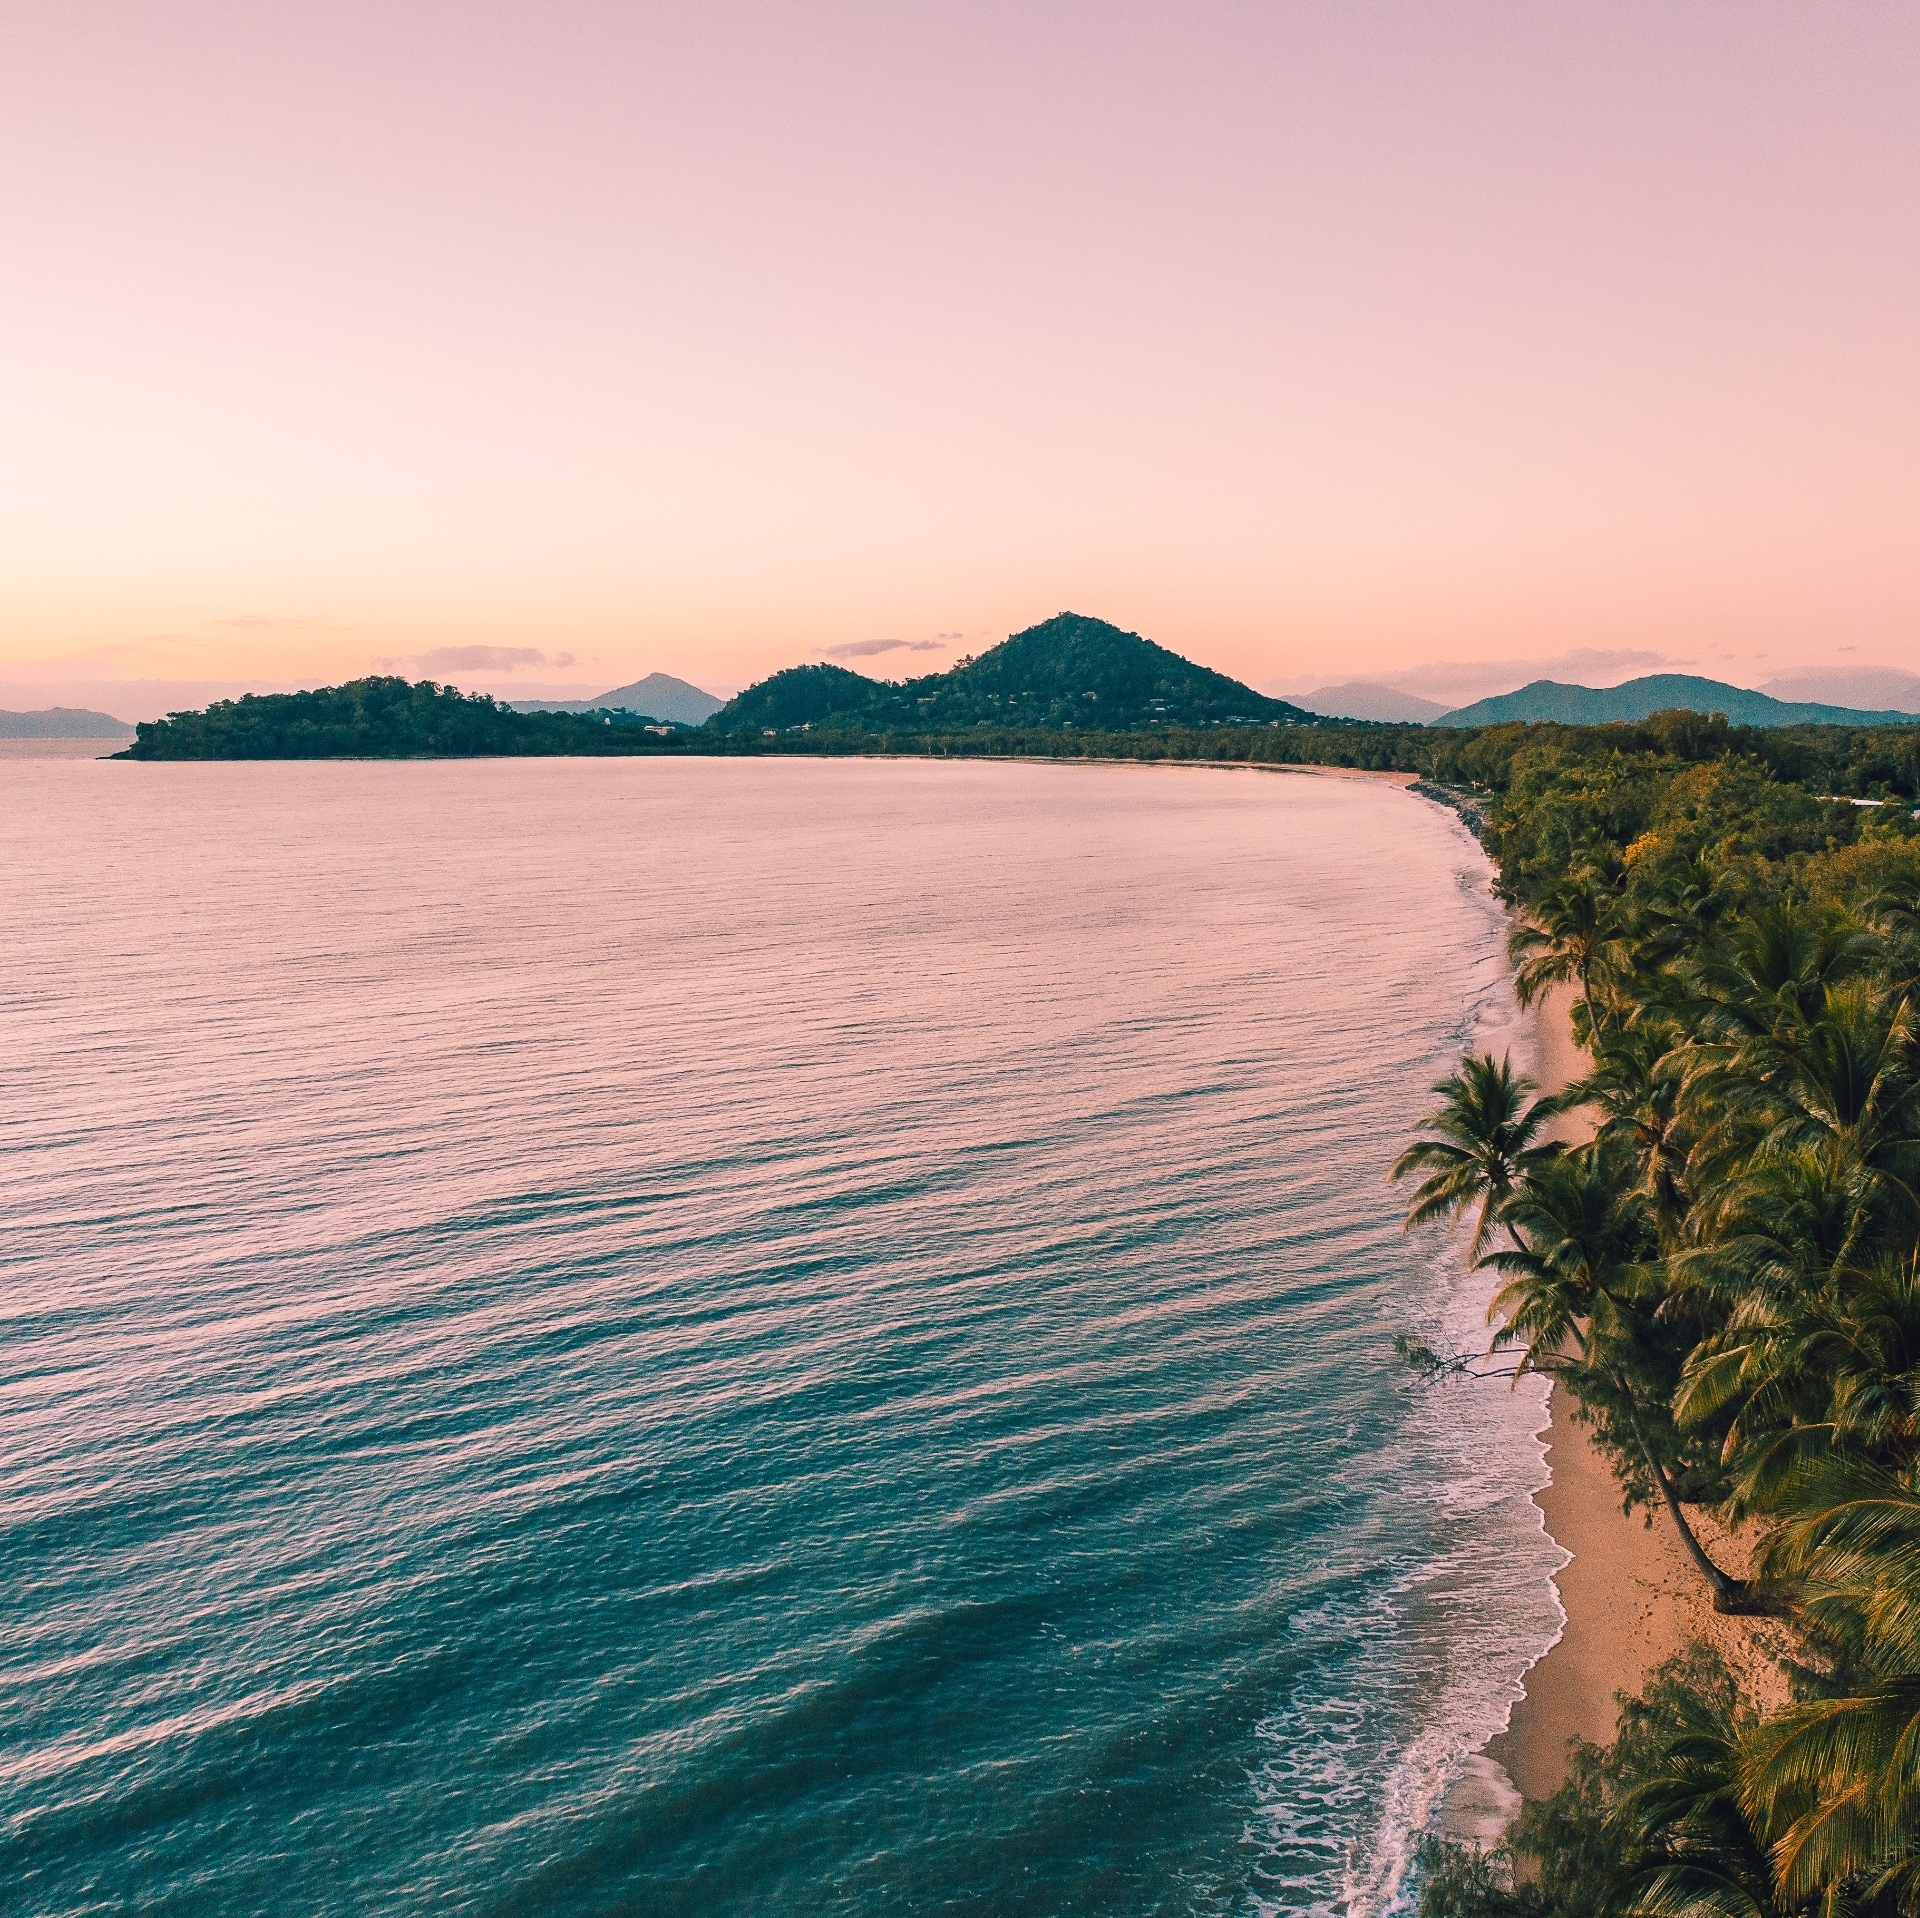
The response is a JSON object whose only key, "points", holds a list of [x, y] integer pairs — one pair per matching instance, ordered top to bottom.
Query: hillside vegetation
{"points": [[1070, 673], [383, 718]]}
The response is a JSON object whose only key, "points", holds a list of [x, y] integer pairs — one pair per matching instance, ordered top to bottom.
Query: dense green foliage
{"points": [[1069, 673], [385, 718], [1802, 765], [1726, 1276], [1651, 1824]]}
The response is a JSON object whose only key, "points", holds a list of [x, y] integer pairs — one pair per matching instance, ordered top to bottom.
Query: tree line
{"points": [[386, 717], [1725, 1275]]}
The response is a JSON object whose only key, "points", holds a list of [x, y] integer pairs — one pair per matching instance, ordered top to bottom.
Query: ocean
{"points": [[728, 1337]]}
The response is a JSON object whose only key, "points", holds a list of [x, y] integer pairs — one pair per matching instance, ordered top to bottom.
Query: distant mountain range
{"points": [[1068, 672], [1076, 672], [1861, 687], [1658, 693], [1849, 695], [658, 696], [1363, 699], [63, 722]]}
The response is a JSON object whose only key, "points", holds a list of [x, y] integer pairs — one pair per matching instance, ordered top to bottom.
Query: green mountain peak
{"points": [[1070, 671]]}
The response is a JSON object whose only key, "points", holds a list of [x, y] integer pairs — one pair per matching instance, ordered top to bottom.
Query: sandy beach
{"points": [[1630, 1596]]}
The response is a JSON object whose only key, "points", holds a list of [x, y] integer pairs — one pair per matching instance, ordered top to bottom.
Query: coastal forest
{"points": [[1069, 679], [1071, 687], [386, 717], [1725, 1274]]}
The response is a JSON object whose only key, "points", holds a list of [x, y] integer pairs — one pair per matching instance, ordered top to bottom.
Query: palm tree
{"points": [[1681, 906], [1894, 912], [1569, 935], [1770, 968], [1636, 1086], [1846, 1086], [1489, 1138], [1776, 1225], [1572, 1245], [1573, 1286], [1826, 1368], [1835, 1782], [1683, 1813]]}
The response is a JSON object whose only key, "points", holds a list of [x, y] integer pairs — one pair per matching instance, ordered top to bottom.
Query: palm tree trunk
{"points": [[1731, 1595]]}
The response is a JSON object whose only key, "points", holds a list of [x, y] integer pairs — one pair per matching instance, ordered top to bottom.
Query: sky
{"points": [[538, 347]]}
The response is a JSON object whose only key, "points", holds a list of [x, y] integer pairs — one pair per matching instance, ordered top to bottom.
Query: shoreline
{"points": [[1388, 775], [1629, 1595]]}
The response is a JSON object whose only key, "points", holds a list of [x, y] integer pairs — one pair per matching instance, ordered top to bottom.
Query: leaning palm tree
{"points": [[1487, 1136], [1573, 1286]]}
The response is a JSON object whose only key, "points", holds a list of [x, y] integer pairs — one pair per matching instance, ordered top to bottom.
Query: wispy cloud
{"points": [[867, 648], [476, 659]]}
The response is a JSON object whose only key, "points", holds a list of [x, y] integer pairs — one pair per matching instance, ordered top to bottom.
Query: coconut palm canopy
{"points": [[1726, 1274]]}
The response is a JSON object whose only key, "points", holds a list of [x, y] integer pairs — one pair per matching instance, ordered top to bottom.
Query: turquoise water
{"points": [[736, 1338]]}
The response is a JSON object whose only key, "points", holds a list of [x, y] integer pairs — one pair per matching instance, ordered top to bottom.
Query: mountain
{"points": [[1068, 672], [1852, 686], [1658, 693], [658, 696], [661, 696], [1362, 699], [63, 722]]}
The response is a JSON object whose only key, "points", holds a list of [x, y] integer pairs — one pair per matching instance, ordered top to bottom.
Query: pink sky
{"points": [[1314, 341]]}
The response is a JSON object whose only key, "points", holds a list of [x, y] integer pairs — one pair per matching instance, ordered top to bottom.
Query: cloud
{"points": [[867, 648], [480, 659]]}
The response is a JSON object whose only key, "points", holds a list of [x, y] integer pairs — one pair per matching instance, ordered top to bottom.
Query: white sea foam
{"points": [[1487, 1606]]}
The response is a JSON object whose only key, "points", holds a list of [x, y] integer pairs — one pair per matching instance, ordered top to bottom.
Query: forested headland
{"points": [[388, 718], [1726, 1277]]}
